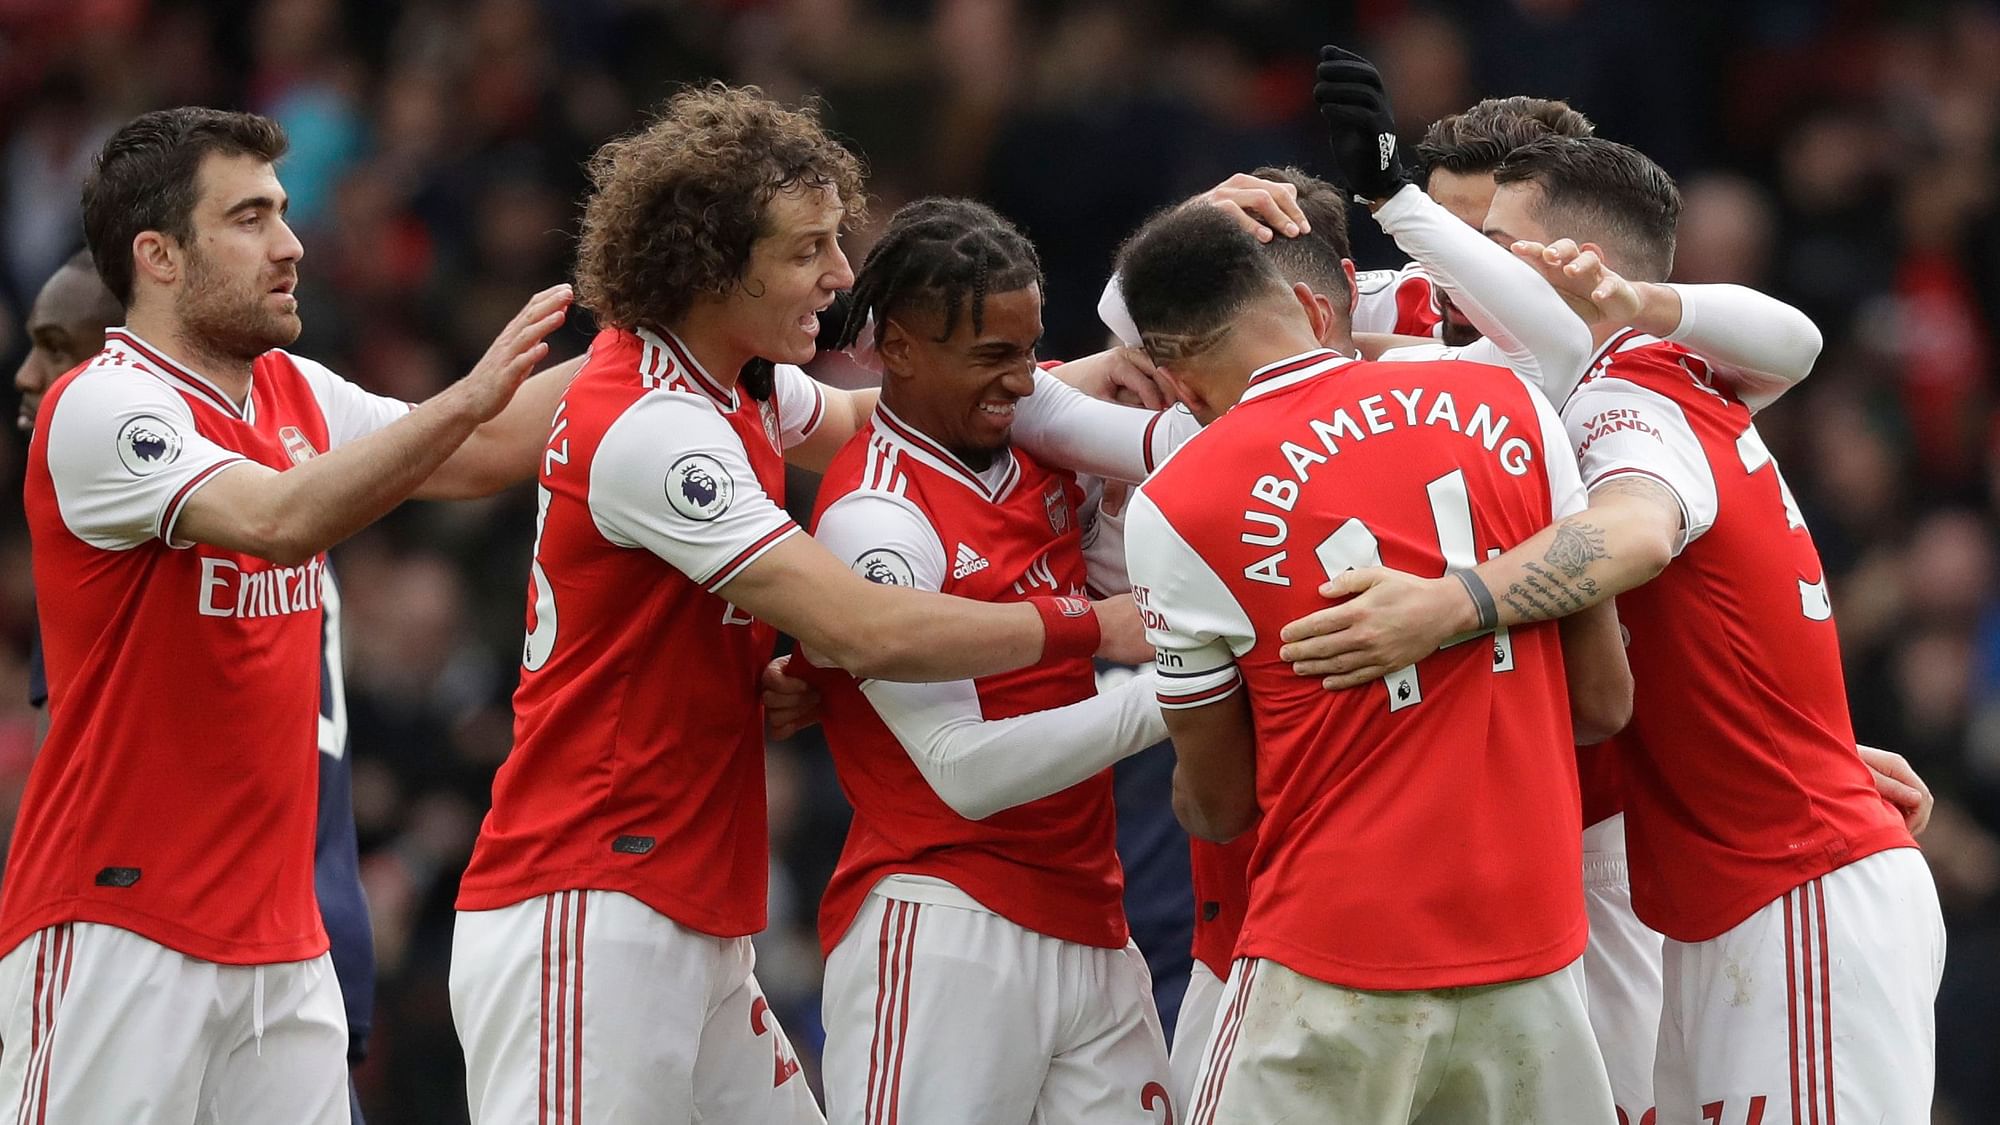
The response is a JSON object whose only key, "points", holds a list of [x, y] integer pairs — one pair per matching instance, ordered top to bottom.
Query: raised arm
{"points": [[1527, 326], [1761, 346], [504, 451], [290, 516]]}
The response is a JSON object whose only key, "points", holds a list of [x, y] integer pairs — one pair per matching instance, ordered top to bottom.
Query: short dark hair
{"points": [[1479, 138], [145, 178], [1594, 190], [677, 206], [945, 254], [1316, 257], [1186, 275]]}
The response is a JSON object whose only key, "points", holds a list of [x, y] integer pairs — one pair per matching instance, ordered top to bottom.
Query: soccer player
{"points": [[65, 327], [1413, 840], [1803, 940], [602, 954], [166, 959], [978, 960]]}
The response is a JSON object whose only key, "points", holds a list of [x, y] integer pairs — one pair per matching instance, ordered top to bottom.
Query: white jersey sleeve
{"points": [[1503, 296], [1760, 346], [801, 403], [351, 413], [1067, 429], [1621, 429], [125, 456], [694, 501], [1103, 519], [885, 538], [1195, 624], [978, 766]]}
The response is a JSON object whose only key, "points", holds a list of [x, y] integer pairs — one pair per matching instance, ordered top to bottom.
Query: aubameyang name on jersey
{"points": [[1273, 496], [228, 590]]}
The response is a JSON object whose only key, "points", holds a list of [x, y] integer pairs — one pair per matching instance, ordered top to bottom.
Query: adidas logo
{"points": [[968, 562]]}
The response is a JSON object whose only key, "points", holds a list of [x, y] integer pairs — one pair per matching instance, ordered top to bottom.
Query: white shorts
{"points": [[1621, 972], [591, 1006], [1199, 1008], [1816, 1008], [940, 1013], [105, 1026], [1291, 1048]]}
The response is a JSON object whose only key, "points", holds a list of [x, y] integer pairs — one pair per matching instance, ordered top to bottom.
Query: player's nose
{"points": [[840, 275]]}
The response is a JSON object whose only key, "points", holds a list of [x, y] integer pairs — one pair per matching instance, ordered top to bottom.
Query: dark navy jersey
{"points": [[38, 676], [336, 862], [1159, 891]]}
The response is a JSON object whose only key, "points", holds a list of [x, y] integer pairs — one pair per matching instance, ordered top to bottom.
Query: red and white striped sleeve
{"points": [[125, 457], [694, 501], [1197, 627]]}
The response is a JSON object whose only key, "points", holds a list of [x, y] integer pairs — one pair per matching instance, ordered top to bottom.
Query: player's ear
{"points": [[156, 255], [1602, 255], [1353, 287], [1319, 310], [894, 348]]}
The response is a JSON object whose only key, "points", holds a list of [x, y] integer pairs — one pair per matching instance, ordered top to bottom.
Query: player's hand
{"points": [[1361, 126], [1259, 206], [1593, 290], [514, 353], [1118, 374], [1391, 620], [1124, 635], [790, 704], [1900, 786]]}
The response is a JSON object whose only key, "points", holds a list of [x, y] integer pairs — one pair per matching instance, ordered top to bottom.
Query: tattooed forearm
{"points": [[1576, 546], [1542, 594]]}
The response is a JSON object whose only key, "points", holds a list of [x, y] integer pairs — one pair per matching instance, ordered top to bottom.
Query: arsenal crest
{"points": [[770, 416], [297, 445], [1057, 506]]}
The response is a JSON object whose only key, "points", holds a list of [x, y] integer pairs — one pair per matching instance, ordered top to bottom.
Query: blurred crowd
{"points": [[1840, 153]]}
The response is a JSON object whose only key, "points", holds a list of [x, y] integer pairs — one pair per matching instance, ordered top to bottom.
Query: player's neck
{"points": [[1603, 330], [170, 336], [708, 343], [919, 419]]}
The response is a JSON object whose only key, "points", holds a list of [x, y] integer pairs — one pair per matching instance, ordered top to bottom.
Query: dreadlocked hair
{"points": [[940, 253]]}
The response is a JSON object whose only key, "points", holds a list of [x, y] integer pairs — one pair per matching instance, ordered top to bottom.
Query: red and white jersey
{"points": [[1400, 302], [911, 513], [638, 760], [1741, 777], [175, 796], [1421, 832]]}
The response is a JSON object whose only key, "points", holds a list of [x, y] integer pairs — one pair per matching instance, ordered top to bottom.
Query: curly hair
{"points": [[677, 206]]}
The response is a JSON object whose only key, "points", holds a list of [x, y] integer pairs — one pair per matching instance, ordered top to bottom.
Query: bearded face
{"points": [[238, 312]]}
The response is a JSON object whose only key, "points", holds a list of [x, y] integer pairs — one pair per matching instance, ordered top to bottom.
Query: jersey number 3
{"points": [[1353, 547]]}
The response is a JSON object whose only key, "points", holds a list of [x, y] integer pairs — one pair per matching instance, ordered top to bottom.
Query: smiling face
{"points": [[796, 266], [234, 296], [961, 390]]}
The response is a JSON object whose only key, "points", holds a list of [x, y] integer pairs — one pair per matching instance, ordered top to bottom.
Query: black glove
{"points": [[1360, 125]]}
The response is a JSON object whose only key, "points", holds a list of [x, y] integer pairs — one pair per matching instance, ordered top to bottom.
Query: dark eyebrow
{"points": [[261, 203]]}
